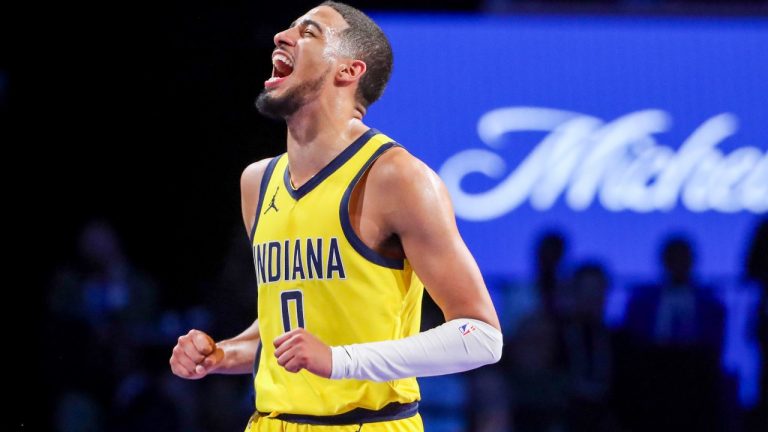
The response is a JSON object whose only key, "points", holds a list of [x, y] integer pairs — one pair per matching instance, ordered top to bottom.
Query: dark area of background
{"points": [[142, 112]]}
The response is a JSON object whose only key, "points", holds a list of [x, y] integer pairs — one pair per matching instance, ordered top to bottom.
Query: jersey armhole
{"points": [[262, 190], [346, 225]]}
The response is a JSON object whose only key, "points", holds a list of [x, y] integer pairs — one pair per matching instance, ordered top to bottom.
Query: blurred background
{"points": [[607, 161]]}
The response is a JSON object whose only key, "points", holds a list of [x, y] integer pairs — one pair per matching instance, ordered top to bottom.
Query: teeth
{"points": [[282, 58]]}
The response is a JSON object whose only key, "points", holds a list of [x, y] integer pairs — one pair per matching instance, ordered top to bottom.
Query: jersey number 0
{"points": [[286, 297]]}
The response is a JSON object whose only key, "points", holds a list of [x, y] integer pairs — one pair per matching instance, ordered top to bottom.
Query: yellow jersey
{"points": [[313, 271]]}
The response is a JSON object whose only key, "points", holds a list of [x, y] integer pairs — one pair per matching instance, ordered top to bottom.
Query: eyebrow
{"points": [[306, 22]]}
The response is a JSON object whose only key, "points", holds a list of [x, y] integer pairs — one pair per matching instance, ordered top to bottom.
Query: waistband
{"points": [[392, 411]]}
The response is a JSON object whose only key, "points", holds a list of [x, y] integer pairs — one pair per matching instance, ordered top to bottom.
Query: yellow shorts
{"points": [[259, 423]]}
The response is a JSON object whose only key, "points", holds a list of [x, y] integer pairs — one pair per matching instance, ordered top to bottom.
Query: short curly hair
{"points": [[364, 40]]}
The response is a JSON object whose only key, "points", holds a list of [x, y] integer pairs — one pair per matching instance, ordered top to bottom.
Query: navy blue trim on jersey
{"points": [[329, 169], [262, 191], [346, 225], [256, 359], [256, 369], [390, 412]]}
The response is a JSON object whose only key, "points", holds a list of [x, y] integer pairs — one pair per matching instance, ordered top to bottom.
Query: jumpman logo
{"points": [[272, 203]]}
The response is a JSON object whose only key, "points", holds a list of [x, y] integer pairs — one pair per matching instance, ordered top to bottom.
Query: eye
{"points": [[309, 32]]}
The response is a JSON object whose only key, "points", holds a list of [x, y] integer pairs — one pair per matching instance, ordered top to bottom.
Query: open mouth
{"points": [[282, 66]]}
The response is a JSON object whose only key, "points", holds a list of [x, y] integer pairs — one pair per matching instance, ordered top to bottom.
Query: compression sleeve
{"points": [[455, 346]]}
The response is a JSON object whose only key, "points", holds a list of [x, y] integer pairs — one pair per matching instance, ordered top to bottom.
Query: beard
{"points": [[293, 99]]}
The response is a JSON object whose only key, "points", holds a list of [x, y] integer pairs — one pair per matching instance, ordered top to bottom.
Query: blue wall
{"points": [[599, 109]]}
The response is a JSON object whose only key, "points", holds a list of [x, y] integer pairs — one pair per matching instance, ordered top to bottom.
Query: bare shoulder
{"points": [[397, 168], [253, 173], [250, 185], [410, 193]]}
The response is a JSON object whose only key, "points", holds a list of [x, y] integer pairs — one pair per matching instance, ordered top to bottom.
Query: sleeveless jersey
{"points": [[314, 272]]}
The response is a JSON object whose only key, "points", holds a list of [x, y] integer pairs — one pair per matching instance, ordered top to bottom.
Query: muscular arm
{"points": [[422, 217], [240, 351]]}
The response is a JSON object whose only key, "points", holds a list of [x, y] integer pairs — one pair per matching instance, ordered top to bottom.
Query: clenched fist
{"points": [[298, 349], [195, 355]]}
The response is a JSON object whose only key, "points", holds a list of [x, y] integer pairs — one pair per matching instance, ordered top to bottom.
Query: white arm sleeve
{"points": [[456, 346]]}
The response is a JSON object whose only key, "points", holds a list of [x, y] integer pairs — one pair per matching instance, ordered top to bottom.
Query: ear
{"points": [[350, 71]]}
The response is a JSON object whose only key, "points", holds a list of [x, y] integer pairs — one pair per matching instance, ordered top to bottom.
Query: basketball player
{"points": [[347, 228]]}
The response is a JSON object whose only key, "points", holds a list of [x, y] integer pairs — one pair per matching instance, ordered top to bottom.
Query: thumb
{"points": [[211, 362]]}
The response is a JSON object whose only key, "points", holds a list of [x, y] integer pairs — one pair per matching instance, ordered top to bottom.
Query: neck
{"points": [[317, 134]]}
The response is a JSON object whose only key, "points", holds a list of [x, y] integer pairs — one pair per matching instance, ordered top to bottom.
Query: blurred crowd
{"points": [[583, 353], [680, 354], [117, 375]]}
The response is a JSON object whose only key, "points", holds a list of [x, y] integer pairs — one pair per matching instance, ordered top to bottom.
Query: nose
{"points": [[283, 38]]}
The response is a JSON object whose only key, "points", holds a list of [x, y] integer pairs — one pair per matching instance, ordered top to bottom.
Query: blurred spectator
{"points": [[550, 279], [102, 289], [544, 291], [677, 311], [102, 312], [588, 351], [670, 362], [538, 386], [529, 388]]}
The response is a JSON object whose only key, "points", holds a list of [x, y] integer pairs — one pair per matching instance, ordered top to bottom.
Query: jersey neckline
{"points": [[329, 169]]}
